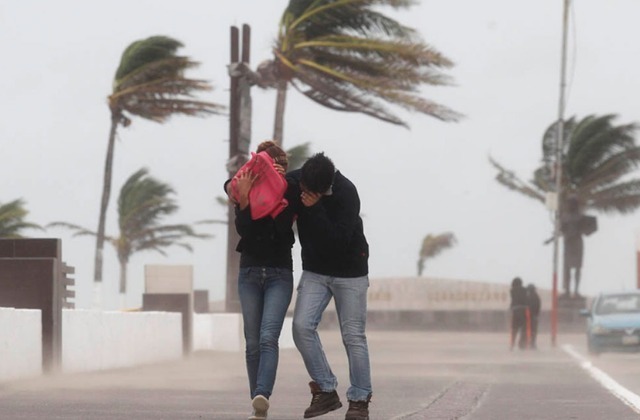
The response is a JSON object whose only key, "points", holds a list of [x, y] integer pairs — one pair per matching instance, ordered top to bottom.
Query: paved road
{"points": [[438, 376]]}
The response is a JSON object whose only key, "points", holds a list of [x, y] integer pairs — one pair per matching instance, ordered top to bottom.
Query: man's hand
{"points": [[310, 198]]}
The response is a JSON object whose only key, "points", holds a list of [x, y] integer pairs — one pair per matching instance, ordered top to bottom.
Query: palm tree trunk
{"points": [[281, 100], [106, 192], [123, 277], [123, 283]]}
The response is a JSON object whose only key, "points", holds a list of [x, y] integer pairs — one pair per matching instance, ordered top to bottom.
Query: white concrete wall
{"points": [[224, 332], [95, 340], [20, 343]]}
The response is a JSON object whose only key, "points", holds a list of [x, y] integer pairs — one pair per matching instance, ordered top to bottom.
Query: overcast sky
{"points": [[58, 62]]}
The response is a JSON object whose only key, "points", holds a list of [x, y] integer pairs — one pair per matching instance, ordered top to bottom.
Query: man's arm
{"points": [[335, 232]]}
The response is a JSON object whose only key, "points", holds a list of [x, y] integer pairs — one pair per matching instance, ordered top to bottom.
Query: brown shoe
{"points": [[321, 402], [358, 410]]}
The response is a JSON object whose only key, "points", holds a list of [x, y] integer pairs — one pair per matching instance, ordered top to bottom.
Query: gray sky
{"points": [[58, 62]]}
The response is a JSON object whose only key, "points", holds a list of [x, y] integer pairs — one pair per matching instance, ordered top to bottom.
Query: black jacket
{"points": [[331, 232], [267, 242], [518, 297], [533, 301]]}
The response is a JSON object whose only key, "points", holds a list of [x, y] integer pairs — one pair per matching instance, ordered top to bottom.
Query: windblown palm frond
{"points": [[348, 56], [150, 83], [510, 180], [12, 220], [77, 229], [433, 245]]}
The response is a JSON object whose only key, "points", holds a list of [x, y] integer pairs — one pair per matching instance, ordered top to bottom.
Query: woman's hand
{"points": [[279, 168], [245, 182]]}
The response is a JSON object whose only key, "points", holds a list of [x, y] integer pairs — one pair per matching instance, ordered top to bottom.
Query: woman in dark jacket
{"points": [[265, 280], [518, 313]]}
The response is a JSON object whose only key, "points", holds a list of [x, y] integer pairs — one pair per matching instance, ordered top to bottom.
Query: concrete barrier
{"points": [[170, 288], [95, 340], [20, 343]]}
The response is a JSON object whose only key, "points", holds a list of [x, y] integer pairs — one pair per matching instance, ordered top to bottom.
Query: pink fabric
{"points": [[266, 197]]}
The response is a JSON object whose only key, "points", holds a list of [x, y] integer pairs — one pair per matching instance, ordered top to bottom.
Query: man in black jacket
{"points": [[335, 265], [533, 302]]}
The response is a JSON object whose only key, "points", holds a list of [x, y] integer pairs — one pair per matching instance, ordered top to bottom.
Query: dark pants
{"points": [[519, 327], [534, 331]]}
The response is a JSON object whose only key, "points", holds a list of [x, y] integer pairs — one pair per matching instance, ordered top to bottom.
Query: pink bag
{"points": [[266, 196]]}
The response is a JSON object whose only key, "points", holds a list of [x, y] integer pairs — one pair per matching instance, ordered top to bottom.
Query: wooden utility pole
{"points": [[239, 141]]}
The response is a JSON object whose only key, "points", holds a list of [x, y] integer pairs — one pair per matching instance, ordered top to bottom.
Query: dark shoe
{"points": [[321, 402], [358, 410]]}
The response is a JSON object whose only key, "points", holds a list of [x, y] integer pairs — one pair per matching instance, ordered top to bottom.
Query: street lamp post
{"points": [[558, 167]]}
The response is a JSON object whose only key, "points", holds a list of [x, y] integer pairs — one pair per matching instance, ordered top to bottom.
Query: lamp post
{"points": [[558, 167]]}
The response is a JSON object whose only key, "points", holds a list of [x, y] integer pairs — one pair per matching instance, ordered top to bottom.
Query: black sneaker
{"points": [[321, 402], [358, 410]]}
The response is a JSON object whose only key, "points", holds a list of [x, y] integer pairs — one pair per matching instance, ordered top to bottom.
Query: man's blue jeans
{"points": [[265, 294], [350, 294]]}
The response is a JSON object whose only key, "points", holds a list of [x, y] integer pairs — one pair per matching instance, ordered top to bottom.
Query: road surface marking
{"points": [[623, 394]]}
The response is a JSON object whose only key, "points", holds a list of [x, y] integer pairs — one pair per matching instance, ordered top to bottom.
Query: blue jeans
{"points": [[265, 294], [314, 294]]}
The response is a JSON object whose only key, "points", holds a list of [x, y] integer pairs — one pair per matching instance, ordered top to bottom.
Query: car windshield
{"points": [[618, 304]]}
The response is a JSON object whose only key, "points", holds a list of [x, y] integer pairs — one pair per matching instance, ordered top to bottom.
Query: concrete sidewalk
{"points": [[417, 375]]}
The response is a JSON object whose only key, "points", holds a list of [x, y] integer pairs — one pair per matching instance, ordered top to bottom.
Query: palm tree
{"points": [[347, 56], [149, 83], [297, 155], [598, 159], [143, 204], [12, 223], [432, 245]]}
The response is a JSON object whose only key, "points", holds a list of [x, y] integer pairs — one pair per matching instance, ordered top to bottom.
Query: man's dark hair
{"points": [[317, 173]]}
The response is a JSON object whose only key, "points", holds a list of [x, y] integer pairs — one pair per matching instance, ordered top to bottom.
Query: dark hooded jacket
{"points": [[331, 232], [267, 242], [518, 296]]}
